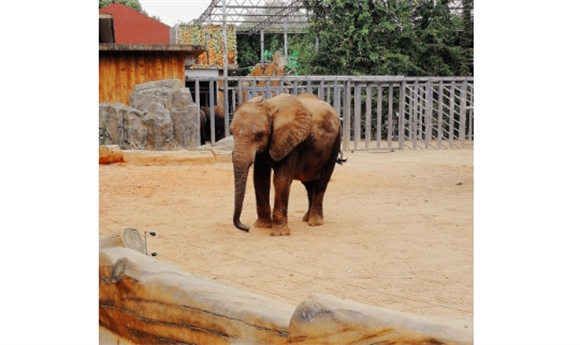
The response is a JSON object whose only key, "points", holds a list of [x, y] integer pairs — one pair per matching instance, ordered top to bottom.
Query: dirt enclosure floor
{"points": [[397, 232]]}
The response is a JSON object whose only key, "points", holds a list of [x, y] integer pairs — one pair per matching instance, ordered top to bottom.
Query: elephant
{"points": [[202, 123], [219, 123], [297, 137]]}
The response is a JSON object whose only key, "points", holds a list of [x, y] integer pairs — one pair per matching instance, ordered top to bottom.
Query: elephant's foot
{"points": [[315, 220], [263, 223], [281, 230]]}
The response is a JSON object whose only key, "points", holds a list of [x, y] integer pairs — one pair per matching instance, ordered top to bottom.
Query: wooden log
{"points": [[110, 154], [127, 238], [145, 301], [323, 319]]}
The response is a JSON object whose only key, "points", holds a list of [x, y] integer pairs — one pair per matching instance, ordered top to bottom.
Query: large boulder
{"points": [[171, 114], [160, 116], [122, 125]]}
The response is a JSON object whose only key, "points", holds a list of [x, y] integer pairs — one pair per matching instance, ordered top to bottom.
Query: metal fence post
{"points": [[402, 101], [212, 110], [198, 113], [451, 113], [379, 114], [414, 114], [440, 114], [462, 114], [429, 115], [368, 117], [390, 118], [357, 121], [346, 122]]}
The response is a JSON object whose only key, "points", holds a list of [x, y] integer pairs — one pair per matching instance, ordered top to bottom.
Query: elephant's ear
{"points": [[290, 124]]}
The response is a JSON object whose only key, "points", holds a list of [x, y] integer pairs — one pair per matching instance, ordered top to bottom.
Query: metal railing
{"points": [[377, 112]]}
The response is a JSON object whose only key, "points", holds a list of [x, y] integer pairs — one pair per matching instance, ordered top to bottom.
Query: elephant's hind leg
{"points": [[317, 188], [310, 191], [314, 214]]}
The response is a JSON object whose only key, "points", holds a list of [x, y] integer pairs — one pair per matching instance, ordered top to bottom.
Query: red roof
{"points": [[131, 26]]}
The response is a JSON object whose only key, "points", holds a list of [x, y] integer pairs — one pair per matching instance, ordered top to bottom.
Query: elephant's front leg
{"points": [[262, 175], [280, 214]]}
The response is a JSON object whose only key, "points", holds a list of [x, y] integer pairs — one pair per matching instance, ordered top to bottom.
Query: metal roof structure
{"points": [[253, 16], [267, 16]]}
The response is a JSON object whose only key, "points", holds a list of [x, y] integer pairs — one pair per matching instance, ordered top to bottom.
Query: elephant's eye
{"points": [[259, 136]]}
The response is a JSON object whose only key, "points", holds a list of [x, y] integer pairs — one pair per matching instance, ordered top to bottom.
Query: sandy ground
{"points": [[398, 229]]}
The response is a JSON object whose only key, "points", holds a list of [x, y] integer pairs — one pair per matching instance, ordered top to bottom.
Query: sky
{"points": [[172, 12]]}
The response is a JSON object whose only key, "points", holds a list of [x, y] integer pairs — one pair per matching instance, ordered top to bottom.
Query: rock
{"points": [[171, 114], [161, 116], [122, 125], [159, 128], [226, 143], [110, 154]]}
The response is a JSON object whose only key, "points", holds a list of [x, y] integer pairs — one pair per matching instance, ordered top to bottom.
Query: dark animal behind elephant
{"points": [[202, 122], [219, 123], [298, 138]]}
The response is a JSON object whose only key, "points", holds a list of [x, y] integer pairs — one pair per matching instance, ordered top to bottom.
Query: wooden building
{"points": [[122, 66]]}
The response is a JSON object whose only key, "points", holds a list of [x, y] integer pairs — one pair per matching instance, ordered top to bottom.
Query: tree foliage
{"points": [[134, 4], [394, 37]]}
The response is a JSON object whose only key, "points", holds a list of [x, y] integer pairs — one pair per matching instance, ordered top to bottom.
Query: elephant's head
{"points": [[276, 125]]}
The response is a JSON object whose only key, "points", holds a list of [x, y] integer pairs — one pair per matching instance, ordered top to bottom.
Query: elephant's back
{"points": [[324, 117]]}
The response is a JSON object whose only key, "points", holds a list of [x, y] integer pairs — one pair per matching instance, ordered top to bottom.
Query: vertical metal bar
{"points": [[286, 38], [225, 41], [261, 46], [308, 85], [281, 86], [295, 87], [321, 89], [254, 90], [268, 91], [240, 94], [402, 95], [336, 99], [226, 107], [211, 110], [198, 113], [451, 113], [379, 114], [415, 114], [440, 114], [462, 114], [471, 114], [429, 115], [390, 117], [368, 119], [357, 122], [346, 123], [470, 129]]}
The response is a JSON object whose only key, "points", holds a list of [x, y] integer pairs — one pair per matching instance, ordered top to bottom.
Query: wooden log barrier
{"points": [[128, 238], [145, 301], [323, 319]]}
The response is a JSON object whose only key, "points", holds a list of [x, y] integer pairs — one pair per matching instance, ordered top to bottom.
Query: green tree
{"points": [[134, 4], [396, 37]]}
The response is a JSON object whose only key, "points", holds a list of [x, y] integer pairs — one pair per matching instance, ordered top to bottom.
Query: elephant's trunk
{"points": [[240, 178]]}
